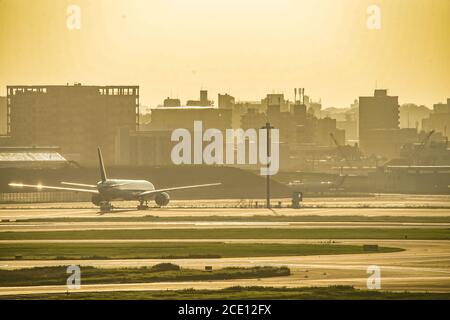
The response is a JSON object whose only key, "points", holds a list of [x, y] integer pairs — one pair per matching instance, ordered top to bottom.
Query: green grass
{"points": [[255, 218], [235, 233], [169, 250], [163, 272], [244, 293]]}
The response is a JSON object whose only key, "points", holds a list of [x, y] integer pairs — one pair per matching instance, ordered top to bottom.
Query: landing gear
{"points": [[143, 205], [105, 206]]}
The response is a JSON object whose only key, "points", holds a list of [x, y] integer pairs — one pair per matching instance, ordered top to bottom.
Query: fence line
{"points": [[43, 196]]}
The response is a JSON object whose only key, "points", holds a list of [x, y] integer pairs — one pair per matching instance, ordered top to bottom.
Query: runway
{"points": [[379, 201], [48, 212], [72, 226], [423, 266]]}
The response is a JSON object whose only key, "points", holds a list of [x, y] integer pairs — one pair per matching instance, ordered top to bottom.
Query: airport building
{"points": [[76, 118], [31, 157], [411, 179]]}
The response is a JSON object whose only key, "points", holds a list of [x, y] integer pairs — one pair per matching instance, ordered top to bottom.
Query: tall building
{"points": [[203, 97], [275, 99], [225, 101], [240, 108], [315, 109], [411, 115], [3, 116], [75, 118], [164, 119], [253, 119], [439, 119], [378, 122], [350, 126], [325, 127], [143, 148]]}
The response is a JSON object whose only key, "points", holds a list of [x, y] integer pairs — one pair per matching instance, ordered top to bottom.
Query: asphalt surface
{"points": [[46, 213], [72, 226], [423, 266]]}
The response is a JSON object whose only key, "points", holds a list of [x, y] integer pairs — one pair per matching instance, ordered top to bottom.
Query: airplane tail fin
{"points": [[102, 166]]}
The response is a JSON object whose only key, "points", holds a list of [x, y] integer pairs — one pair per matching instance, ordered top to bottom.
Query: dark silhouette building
{"points": [[225, 101], [171, 102], [203, 102], [3, 116], [184, 117], [75, 118], [439, 119], [378, 123]]}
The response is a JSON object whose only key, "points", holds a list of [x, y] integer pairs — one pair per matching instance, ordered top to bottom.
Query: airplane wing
{"points": [[79, 184], [94, 186], [41, 187], [151, 192]]}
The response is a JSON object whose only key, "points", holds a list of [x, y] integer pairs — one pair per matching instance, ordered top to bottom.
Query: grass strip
{"points": [[235, 233], [169, 250], [42, 276], [244, 293]]}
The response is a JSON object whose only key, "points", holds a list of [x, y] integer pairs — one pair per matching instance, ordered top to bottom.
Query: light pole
{"points": [[268, 127]]}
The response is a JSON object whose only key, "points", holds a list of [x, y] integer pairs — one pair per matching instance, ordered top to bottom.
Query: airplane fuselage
{"points": [[121, 189]]}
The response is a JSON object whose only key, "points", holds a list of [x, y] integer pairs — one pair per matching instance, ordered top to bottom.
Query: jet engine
{"points": [[162, 199]]}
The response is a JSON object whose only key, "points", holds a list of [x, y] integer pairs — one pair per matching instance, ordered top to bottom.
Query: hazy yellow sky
{"points": [[244, 47]]}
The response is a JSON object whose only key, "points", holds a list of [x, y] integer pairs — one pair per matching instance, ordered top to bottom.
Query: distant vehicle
{"points": [[319, 186], [108, 190]]}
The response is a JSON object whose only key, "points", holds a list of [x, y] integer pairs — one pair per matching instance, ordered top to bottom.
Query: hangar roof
{"points": [[30, 156]]}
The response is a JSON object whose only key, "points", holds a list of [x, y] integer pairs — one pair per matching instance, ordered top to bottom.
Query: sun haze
{"points": [[246, 48]]}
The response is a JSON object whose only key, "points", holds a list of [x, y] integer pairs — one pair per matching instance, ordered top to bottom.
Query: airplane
{"points": [[319, 186], [108, 190]]}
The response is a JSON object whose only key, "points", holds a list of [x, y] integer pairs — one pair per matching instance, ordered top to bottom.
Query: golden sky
{"points": [[244, 47]]}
